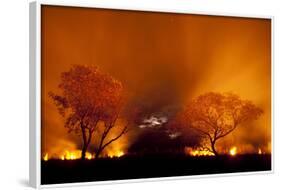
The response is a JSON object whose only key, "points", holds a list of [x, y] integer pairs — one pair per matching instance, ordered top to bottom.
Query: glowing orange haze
{"points": [[164, 60]]}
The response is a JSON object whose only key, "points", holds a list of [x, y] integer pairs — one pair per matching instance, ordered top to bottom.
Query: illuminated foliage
{"points": [[89, 97], [215, 115]]}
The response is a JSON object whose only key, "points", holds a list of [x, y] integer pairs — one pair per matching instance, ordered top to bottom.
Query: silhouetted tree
{"points": [[88, 98], [215, 115]]}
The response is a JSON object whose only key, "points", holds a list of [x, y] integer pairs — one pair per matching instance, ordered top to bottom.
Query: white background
{"points": [[14, 93]]}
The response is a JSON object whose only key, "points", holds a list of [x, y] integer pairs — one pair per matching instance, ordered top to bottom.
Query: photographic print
{"points": [[130, 94]]}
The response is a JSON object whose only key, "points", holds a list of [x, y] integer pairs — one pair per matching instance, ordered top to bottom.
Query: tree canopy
{"points": [[88, 97], [215, 115]]}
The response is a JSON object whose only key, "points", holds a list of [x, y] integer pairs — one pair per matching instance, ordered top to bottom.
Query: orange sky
{"points": [[163, 60]]}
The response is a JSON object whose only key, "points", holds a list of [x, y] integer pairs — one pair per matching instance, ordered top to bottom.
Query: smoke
{"points": [[153, 122]]}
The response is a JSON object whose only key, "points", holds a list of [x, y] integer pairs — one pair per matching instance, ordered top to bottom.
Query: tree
{"points": [[88, 98], [215, 115], [109, 124]]}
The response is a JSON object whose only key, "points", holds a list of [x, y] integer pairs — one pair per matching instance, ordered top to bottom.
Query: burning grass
{"points": [[117, 153], [76, 155]]}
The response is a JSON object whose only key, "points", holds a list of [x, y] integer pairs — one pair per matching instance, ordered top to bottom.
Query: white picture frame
{"points": [[35, 91]]}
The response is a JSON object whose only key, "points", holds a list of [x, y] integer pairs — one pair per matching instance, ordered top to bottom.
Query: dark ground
{"points": [[133, 167]]}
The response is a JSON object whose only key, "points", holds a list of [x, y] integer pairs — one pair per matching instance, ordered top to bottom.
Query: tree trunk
{"points": [[85, 144], [102, 146], [214, 148], [84, 149], [100, 149], [98, 153]]}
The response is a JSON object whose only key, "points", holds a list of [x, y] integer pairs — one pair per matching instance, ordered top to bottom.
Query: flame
{"points": [[68, 150], [116, 150], [233, 151], [197, 152], [260, 152], [117, 153], [120, 153], [76, 154], [70, 155], [73, 155], [89, 156], [46, 157]]}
